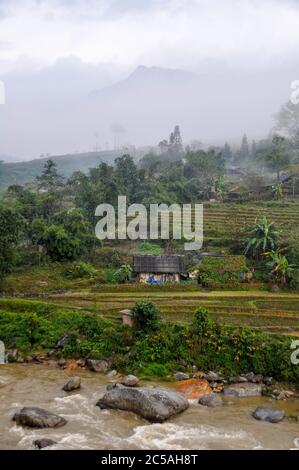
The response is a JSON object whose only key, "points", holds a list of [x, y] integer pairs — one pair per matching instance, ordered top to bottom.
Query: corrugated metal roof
{"points": [[158, 264]]}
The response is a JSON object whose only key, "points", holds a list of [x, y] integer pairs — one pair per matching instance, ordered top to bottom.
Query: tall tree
{"points": [[287, 123], [176, 141], [244, 150], [279, 158], [127, 175], [50, 179], [10, 229]]}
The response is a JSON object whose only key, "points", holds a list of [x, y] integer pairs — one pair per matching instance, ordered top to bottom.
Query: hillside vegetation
{"points": [[19, 173]]}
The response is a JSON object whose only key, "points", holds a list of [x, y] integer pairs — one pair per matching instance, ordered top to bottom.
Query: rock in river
{"points": [[97, 365], [181, 376], [212, 376], [130, 380], [73, 384], [194, 388], [245, 389], [213, 400], [154, 404], [268, 414], [38, 418], [42, 443]]}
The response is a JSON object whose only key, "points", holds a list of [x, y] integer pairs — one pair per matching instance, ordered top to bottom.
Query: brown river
{"points": [[88, 427]]}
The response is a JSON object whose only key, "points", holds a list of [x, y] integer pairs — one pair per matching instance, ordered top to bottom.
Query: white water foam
{"points": [[171, 436], [296, 444]]}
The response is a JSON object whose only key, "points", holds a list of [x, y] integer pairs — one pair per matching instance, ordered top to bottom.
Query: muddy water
{"points": [[230, 427]]}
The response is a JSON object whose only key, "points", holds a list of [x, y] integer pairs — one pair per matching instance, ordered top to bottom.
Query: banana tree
{"points": [[277, 190], [262, 237], [280, 267]]}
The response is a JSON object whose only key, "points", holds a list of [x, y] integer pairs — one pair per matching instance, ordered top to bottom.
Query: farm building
{"points": [[156, 269]]}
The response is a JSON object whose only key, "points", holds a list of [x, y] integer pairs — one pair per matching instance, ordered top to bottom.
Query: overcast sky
{"points": [[168, 33], [102, 41]]}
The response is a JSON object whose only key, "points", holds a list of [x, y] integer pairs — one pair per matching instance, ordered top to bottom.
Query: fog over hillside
{"points": [[216, 69], [62, 111]]}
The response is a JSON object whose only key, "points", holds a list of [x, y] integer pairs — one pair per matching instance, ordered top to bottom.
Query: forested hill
{"points": [[23, 172]]}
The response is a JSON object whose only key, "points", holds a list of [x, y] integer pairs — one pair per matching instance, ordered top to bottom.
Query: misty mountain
{"points": [[210, 107], [59, 110]]}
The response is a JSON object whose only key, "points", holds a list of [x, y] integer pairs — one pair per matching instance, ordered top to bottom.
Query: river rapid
{"points": [[89, 427]]}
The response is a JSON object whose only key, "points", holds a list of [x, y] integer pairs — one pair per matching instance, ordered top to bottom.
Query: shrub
{"points": [[150, 247], [107, 257], [80, 270], [224, 270], [123, 274], [147, 315], [201, 321], [155, 370]]}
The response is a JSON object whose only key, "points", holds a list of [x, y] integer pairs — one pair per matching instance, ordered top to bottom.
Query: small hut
{"points": [[157, 269]]}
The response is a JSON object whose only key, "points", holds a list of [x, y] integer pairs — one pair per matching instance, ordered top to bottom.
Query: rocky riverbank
{"points": [[243, 385]]}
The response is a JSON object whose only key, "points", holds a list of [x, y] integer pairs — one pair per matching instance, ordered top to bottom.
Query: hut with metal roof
{"points": [[157, 269]]}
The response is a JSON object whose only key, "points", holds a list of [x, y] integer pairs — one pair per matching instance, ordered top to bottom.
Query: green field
{"points": [[272, 312], [277, 312]]}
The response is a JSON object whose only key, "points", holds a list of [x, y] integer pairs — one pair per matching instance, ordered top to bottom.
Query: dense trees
{"points": [[11, 224], [69, 236]]}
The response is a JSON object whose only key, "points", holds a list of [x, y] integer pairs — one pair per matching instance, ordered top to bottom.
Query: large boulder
{"points": [[95, 365], [73, 384], [193, 389], [241, 390], [213, 400], [154, 404], [268, 414], [38, 418]]}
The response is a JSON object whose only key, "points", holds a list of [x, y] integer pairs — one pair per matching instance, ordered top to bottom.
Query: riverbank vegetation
{"points": [[152, 348]]}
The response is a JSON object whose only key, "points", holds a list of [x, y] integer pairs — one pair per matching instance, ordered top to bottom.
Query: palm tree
{"points": [[262, 237]]}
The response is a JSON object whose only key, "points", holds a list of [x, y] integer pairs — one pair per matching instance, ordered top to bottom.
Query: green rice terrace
{"points": [[225, 222], [274, 312]]}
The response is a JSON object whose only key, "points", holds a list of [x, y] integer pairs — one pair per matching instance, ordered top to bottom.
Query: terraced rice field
{"points": [[225, 222], [265, 310]]}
